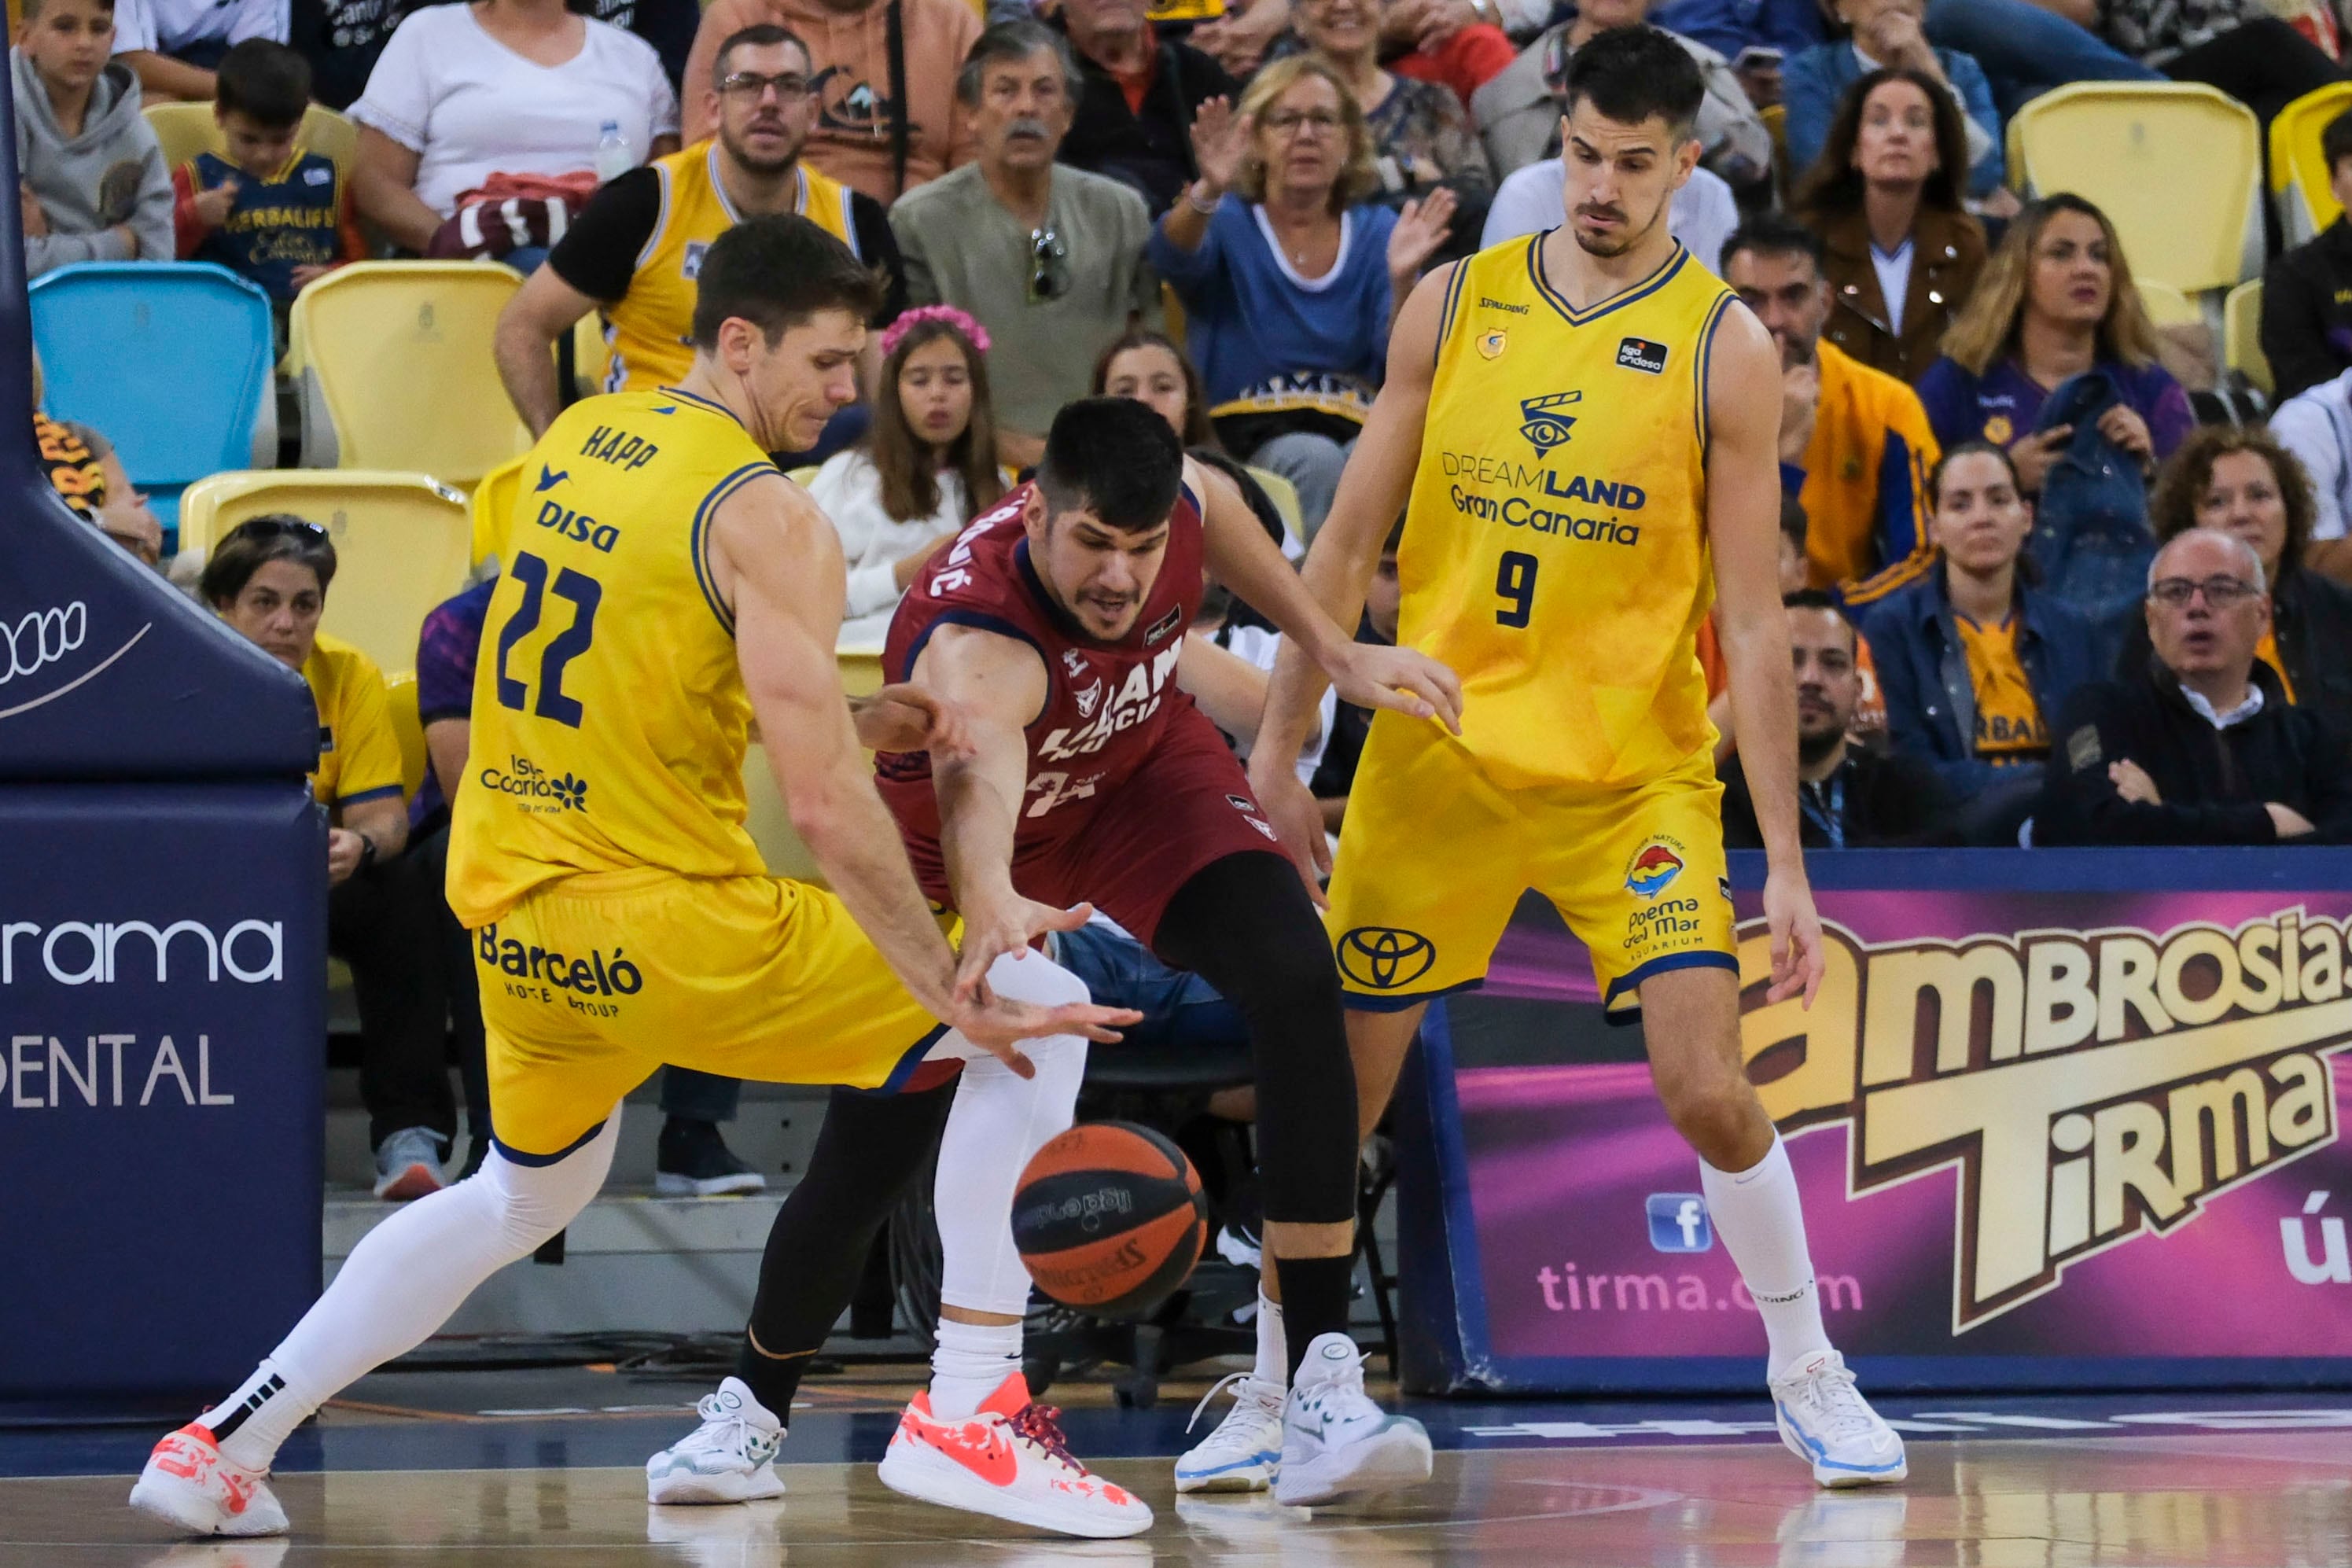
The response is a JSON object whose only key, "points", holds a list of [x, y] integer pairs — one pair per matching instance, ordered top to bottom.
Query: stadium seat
{"points": [[1775, 117], [186, 130], [2176, 166], [2299, 185], [2167, 306], [2241, 337], [591, 357], [170, 361], [391, 361], [1284, 496], [492, 507], [400, 542], [409, 730], [765, 816]]}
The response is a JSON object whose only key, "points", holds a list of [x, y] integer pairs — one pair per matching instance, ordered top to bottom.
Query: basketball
{"points": [[1109, 1218]]}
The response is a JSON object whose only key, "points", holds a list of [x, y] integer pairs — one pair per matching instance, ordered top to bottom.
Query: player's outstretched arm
{"points": [[1743, 511], [778, 564], [1339, 567], [998, 684]]}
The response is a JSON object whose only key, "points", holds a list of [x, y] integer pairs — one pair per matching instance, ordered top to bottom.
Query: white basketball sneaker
{"points": [[1825, 1421], [1335, 1441], [1245, 1453], [730, 1457], [1008, 1461], [187, 1482]]}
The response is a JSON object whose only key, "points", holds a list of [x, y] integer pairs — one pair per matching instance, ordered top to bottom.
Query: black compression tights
{"points": [[1245, 925], [870, 1148]]}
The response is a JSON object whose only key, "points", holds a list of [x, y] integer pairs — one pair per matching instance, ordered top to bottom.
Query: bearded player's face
{"points": [[1620, 179], [804, 378], [1100, 574]]}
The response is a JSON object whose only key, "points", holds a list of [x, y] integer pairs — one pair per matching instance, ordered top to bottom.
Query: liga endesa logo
{"points": [[2117, 1081]]}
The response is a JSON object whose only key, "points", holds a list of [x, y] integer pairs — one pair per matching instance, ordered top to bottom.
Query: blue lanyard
{"points": [[1832, 825]]}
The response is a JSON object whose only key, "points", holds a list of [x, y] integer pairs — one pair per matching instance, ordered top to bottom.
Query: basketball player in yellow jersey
{"points": [[1585, 425], [666, 584]]}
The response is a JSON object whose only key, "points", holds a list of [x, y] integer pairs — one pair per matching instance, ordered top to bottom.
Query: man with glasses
{"points": [[636, 249], [1049, 259], [2203, 746]]}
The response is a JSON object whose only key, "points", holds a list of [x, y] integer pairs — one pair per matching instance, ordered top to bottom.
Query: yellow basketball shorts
{"points": [[1434, 856], [591, 983]]}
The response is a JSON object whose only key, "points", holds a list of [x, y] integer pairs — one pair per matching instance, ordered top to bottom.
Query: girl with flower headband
{"points": [[927, 465]]}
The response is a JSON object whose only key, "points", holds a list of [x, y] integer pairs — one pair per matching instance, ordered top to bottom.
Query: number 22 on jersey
{"points": [[583, 593]]}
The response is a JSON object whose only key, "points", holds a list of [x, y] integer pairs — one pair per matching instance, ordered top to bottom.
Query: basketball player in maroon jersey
{"points": [[1055, 627]]}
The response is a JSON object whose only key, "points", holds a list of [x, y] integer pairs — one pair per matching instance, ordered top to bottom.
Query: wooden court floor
{"points": [[2218, 1497]]}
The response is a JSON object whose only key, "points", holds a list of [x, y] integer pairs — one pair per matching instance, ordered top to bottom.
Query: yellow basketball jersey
{"points": [[648, 328], [1556, 553], [609, 715]]}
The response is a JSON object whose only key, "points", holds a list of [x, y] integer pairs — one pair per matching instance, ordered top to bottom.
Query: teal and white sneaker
{"points": [[1825, 1421], [1335, 1442], [1245, 1453], [730, 1457]]}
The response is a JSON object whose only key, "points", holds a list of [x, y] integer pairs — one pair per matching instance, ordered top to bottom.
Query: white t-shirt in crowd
{"points": [[167, 26], [469, 107], [1533, 199], [849, 489], [1260, 647]]}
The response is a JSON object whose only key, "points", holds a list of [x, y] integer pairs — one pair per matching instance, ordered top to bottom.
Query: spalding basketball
{"points": [[1109, 1218]]}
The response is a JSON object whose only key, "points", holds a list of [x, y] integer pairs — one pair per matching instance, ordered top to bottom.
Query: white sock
{"points": [[1762, 1224], [402, 1281], [1273, 1350], [969, 1362]]}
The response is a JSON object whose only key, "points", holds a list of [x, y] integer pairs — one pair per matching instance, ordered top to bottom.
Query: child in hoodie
{"points": [[95, 185]]}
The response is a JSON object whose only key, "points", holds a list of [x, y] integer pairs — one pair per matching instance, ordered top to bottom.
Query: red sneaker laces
{"points": [[1038, 1423]]}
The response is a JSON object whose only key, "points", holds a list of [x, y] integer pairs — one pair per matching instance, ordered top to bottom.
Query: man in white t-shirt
{"points": [[173, 45], [448, 105], [2316, 424]]}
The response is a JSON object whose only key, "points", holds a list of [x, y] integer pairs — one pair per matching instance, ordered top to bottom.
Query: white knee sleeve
{"points": [[998, 1121]]}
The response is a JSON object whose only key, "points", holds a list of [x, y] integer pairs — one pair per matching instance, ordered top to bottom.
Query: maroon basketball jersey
{"points": [[1106, 703]]}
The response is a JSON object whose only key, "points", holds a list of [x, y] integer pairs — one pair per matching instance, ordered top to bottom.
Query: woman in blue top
{"points": [[1888, 35], [1289, 277], [2056, 301]]}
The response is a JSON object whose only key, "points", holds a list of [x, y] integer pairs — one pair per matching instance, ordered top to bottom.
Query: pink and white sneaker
{"points": [[1008, 1461], [187, 1482]]}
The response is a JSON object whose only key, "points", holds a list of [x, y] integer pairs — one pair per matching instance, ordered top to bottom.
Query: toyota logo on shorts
{"points": [[1384, 958]]}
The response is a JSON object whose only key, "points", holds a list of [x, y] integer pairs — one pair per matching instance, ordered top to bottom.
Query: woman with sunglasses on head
{"points": [[1289, 274], [927, 465], [2239, 482], [267, 578]]}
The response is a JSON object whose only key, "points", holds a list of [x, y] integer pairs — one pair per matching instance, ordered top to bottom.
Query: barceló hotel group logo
{"points": [[1384, 957], [2088, 1087]]}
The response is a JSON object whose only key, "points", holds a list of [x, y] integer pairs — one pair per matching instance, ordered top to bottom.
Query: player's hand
{"points": [[213, 206], [1400, 677], [910, 718], [1298, 825], [344, 848], [1007, 924], [1799, 958], [998, 1024]]}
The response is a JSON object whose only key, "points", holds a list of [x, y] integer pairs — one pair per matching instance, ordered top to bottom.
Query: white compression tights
{"points": [[997, 1122], [405, 1279]]}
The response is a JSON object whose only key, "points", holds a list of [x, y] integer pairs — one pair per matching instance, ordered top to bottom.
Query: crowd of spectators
{"points": [[2030, 599]]}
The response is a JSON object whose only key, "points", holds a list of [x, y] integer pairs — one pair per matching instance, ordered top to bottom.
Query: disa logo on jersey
{"points": [[1655, 869]]}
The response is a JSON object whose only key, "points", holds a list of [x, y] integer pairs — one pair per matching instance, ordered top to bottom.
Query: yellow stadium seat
{"points": [[1776, 120], [185, 130], [2176, 166], [2299, 183], [2167, 306], [2241, 334], [591, 356], [392, 360], [801, 476], [1284, 496], [492, 507], [400, 545], [409, 730], [765, 816]]}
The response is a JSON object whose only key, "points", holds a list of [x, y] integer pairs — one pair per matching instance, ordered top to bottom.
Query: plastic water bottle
{"points": [[613, 155]]}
